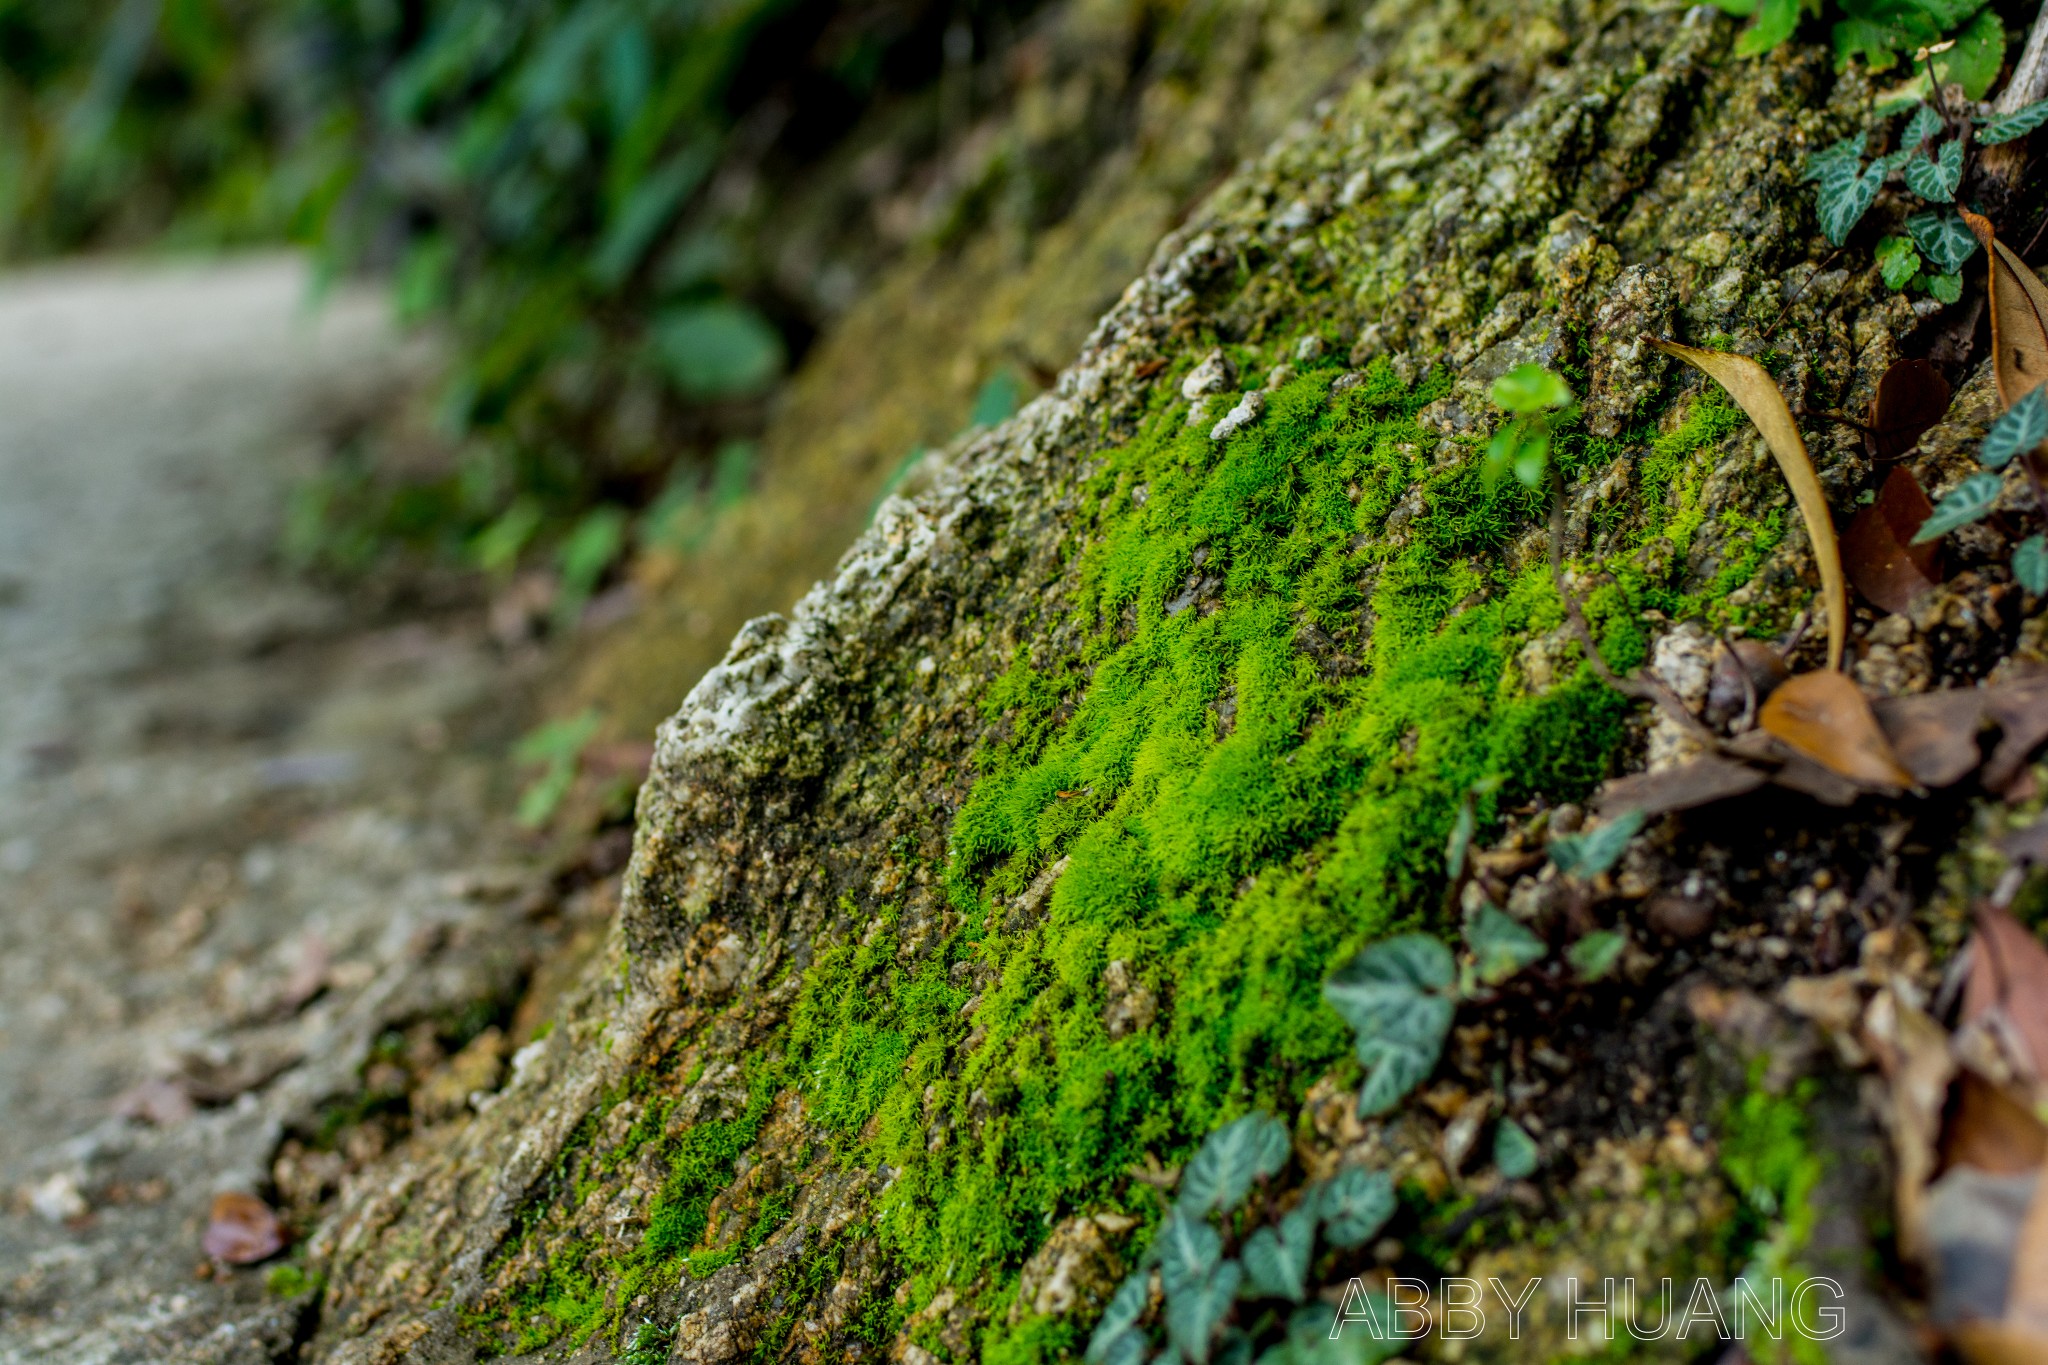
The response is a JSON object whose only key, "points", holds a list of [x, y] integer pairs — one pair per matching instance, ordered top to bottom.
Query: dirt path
{"points": [[244, 830]]}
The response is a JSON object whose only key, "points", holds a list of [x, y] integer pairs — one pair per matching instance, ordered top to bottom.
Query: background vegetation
{"points": [[583, 191]]}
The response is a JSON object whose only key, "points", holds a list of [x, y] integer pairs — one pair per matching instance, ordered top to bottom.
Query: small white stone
{"points": [[1248, 410]]}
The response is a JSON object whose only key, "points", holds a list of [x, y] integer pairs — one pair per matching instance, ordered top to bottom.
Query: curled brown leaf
{"points": [[1757, 394], [1825, 716]]}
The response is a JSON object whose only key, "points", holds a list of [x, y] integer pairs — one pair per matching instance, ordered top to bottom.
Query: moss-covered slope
{"points": [[967, 899]]}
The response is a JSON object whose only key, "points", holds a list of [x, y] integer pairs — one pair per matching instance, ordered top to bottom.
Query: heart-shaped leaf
{"points": [[1924, 124], [2006, 127], [1936, 179], [1943, 238], [1897, 261], [1911, 397], [2019, 429], [1971, 500], [1878, 550], [2030, 564], [1587, 855], [1500, 946], [1595, 955], [1389, 995], [1515, 1154], [1231, 1158], [1353, 1205], [1187, 1248], [1276, 1259], [1126, 1306], [1196, 1308]]}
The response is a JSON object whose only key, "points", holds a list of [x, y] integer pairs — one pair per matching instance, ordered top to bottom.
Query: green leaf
{"points": [[1775, 22], [1974, 62], [1924, 124], [2006, 127], [1835, 160], [1937, 179], [1843, 200], [651, 206], [1943, 238], [1897, 261], [1943, 288], [717, 350], [1529, 389], [2018, 429], [1533, 458], [1968, 501], [584, 556], [2030, 564], [1460, 842], [1587, 855], [1500, 946], [1594, 956], [1386, 974], [1389, 995], [1395, 1065], [1515, 1154], [1231, 1158], [1352, 1205], [1187, 1248], [1276, 1259], [1126, 1306], [1198, 1308], [1128, 1347]]}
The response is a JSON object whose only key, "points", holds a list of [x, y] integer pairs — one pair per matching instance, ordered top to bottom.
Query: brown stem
{"points": [[1644, 688]]}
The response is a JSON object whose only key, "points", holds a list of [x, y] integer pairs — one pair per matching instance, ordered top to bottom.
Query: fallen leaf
{"points": [[2019, 316], [1753, 389], [1911, 397], [1878, 551], [1743, 670], [2021, 710], [1825, 716], [1935, 733], [1801, 774], [1702, 781], [2009, 974], [1912, 1051], [1990, 1130], [242, 1230]]}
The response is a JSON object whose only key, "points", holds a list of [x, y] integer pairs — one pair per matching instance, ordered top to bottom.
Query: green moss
{"points": [[1296, 658]]}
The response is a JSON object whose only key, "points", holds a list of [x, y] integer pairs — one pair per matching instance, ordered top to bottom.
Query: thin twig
{"points": [[1817, 270], [1646, 688], [1748, 716]]}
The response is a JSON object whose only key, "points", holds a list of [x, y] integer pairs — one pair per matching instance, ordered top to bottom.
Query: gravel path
{"points": [[245, 826]]}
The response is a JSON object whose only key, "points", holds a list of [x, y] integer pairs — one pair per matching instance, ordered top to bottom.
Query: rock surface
{"points": [[822, 896]]}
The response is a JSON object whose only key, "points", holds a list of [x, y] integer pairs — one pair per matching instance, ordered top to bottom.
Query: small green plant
{"points": [[1885, 32], [1539, 403], [2018, 433], [556, 747], [1587, 855], [1204, 1286], [649, 1344]]}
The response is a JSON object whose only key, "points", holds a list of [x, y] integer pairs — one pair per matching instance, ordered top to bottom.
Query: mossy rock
{"points": [[967, 898]]}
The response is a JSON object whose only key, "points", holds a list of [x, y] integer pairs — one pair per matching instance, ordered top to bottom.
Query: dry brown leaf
{"points": [[2019, 316], [1757, 394], [1911, 397], [1878, 552], [1744, 673], [2021, 710], [1825, 716], [1935, 733], [1704, 780], [2009, 974], [1912, 1051], [1990, 1130], [242, 1230]]}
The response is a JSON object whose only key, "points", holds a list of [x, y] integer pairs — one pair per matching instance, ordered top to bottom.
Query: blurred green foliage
{"points": [[574, 187]]}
